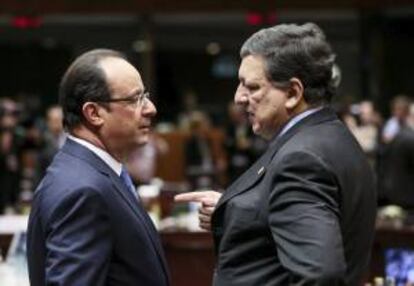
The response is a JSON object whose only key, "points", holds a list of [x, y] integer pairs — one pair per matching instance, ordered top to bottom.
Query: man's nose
{"points": [[240, 97], [149, 109]]}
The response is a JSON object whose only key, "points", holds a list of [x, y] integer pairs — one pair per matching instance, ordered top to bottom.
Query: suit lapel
{"points": [[91, 158], [253, 175], [248, 179], [138, 209]]}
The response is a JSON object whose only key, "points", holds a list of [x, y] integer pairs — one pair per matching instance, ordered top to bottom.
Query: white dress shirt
{"points": [[105, 156]]}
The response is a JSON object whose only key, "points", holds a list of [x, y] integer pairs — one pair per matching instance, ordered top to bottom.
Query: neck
{"points": [[302, 106], [86, 134]]}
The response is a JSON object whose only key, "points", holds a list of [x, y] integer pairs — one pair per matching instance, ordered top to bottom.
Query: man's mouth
{"points": [[250, 115], [145, 127]]}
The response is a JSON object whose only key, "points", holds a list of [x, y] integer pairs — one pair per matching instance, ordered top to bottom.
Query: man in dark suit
{"points": [[303, 214], [87, 225]]}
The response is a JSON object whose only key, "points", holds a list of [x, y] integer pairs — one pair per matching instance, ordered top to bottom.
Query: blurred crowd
{"points": [[28, 143], [389, 145], [27, 146]]}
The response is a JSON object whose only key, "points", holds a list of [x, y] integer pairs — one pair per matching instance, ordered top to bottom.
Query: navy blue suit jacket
{"points": [[86, 228]]}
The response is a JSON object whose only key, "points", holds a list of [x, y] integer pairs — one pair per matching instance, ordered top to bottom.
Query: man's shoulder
{"points": [[315, 136], [323, 143], [68, 167], [67, 175], [65, 183]]}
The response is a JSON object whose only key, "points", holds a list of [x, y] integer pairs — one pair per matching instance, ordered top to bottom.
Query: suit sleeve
{"points": [[304, 219], [78, 241]]}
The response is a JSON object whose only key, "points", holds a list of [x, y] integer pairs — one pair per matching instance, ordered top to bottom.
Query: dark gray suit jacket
{"points": [[303, 214], [86, 228]]}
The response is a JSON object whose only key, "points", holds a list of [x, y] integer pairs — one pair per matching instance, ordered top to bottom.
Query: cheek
{"points": [[265, 109], [268, 114], [137, 117], [131, 118], [125, 123]]}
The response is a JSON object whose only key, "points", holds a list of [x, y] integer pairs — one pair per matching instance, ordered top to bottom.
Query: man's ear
{"points": [[294, 94], [92, 113]]}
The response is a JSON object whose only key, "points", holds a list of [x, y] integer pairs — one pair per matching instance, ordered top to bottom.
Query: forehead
{"points": [[252, 68], [121, 74]]}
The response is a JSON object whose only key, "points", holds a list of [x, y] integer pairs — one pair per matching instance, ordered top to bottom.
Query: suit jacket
{"points": [[303, 214], [86, 228]]}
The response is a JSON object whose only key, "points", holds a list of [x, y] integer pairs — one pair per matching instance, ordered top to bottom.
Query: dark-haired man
{"points": [[87, 225]]}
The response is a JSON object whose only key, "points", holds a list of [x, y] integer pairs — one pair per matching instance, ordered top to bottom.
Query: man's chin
{"points": [[256, 130], [260, 132], [142, 140]]}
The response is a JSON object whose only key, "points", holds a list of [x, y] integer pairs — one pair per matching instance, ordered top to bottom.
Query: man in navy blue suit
{"points": [[87, 225]]}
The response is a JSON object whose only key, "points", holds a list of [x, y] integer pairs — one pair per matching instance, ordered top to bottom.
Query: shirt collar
{"points": [[298, 118], [105, 156]]}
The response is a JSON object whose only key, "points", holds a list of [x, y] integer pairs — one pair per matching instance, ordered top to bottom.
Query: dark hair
{"points": [[291, 50], [84, 81]]}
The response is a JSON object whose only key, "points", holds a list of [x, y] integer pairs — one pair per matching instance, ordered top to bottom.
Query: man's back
{"points": [[356, 191]]}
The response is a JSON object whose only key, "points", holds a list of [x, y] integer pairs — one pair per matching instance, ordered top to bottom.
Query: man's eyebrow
{"points": [[136, 91]]}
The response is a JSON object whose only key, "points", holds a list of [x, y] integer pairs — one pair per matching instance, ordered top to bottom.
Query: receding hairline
{"points": [[103, 62], [105, 65]]}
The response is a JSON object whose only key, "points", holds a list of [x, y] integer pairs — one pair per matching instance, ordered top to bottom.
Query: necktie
{"points": [[126, 179]]}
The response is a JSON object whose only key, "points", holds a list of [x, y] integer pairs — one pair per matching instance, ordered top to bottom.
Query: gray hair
{"points": [[299, 51]]}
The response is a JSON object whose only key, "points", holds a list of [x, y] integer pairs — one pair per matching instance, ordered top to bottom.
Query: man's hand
{"points": [[208, 200]]}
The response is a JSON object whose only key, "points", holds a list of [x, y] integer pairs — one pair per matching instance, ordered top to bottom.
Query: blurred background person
{"points": [[190, 108], [400, 108], [411, 115], [365, 124], [53, 137], [238, 142], [10, 154], [199, 160], [142, 163], [397, 179]]}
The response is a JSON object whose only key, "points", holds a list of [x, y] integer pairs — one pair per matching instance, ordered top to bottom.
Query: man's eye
{"points": [[252, 87], [134, 99]]}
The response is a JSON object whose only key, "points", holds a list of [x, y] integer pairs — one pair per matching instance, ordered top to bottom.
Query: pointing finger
{"points": [[202, 196]]}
